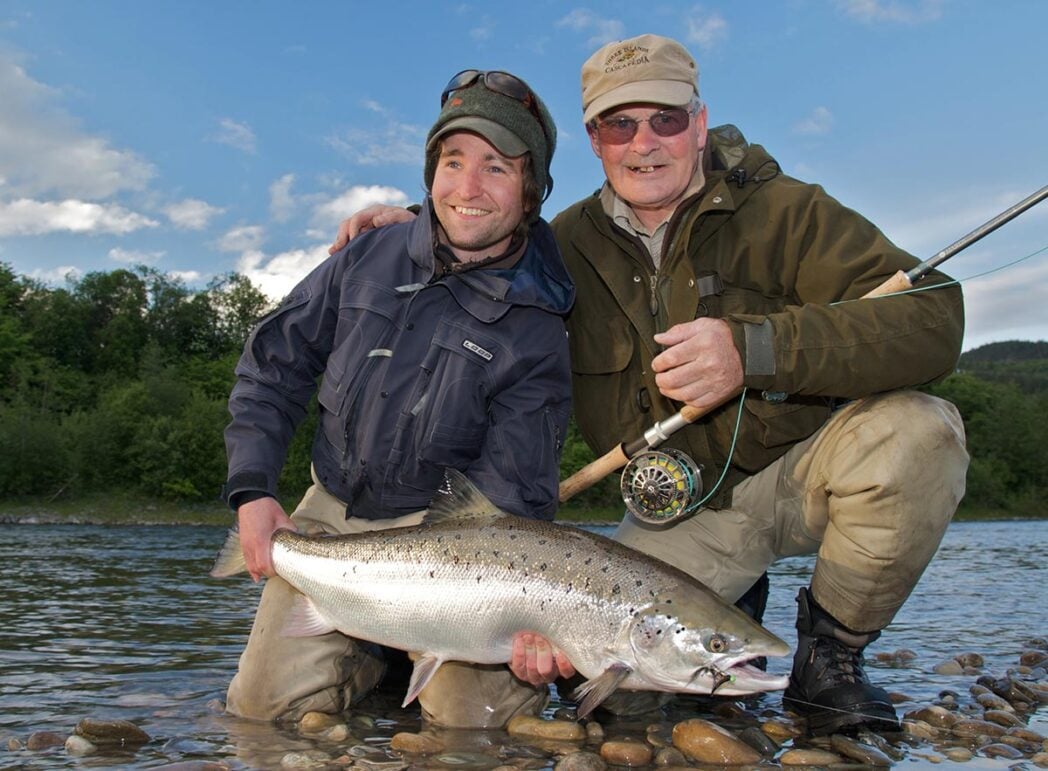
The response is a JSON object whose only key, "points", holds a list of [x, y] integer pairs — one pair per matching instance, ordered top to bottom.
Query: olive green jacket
{"points": [[770, 255]]}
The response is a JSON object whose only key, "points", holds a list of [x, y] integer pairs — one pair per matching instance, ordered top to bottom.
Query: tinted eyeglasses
{"points": [[499, 82], [620, 129]]}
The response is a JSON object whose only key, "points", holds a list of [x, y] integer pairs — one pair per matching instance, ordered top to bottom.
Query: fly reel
{"points": [[659, 486]]}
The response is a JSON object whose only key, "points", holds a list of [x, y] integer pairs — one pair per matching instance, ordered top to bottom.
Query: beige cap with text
{"points": [[646, 68]]}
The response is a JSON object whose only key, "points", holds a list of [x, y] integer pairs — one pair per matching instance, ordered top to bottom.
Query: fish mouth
{"points": [[738, 678]]}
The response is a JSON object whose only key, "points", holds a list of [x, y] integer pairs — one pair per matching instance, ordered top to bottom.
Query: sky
{"points": [[201, 137]]}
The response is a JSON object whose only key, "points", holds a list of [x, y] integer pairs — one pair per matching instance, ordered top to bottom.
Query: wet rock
{"points": [[1037, 643], [899, 657], [1033, 658], [973, 660], [950, 667], [977, 690], [899, 698], [995, 702], [729, 710], [566, 713], [937, 717], [1006, 718], [317, 722], [969, 729], [558, 730], [780, 730], [921, 730], [594, 732], [120, 733], [1027, 734], [658, 735], [41, 740], [759, 740], [705, 742], [14, 744], [416, 744], [79, 746], [1025, 747], [998, 750], [626, 753], [864, 753], [958, 754], [670, 756], [809, 758], [306, 759], [581, 761], [367, 764], [192, 765]]}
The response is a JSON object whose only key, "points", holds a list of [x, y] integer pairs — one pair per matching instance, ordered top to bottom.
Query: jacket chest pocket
{"points": [[366, 321], [445, 422]]}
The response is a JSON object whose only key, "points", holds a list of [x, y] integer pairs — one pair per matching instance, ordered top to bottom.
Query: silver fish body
{"points": [[461, 585]]}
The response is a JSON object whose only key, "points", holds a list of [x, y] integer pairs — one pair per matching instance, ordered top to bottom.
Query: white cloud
{"points": [[892, 11], [706, 29], [603, 30], [818, 122], [236, 135], [396, 142], [44, 151], [281, 201], [191, 214], [328, 215], [26, 217], [242, 239], [133, 257], [276, 275], [56, 276], [188, 277]]}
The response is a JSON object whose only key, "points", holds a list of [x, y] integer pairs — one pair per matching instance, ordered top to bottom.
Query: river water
{"points": [[124, 623]]}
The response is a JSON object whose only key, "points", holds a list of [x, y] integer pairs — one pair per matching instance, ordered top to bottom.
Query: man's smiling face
{"points": [[651, 172], [477, 195]]}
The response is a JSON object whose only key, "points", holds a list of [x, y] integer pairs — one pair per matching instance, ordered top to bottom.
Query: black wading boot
{"points": [[828, 684]]}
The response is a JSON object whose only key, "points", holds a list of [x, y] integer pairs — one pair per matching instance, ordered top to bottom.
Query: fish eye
{"points": [[716, 644]]}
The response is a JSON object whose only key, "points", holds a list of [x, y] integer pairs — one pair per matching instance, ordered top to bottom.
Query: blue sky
{"points": [[208, 137]]}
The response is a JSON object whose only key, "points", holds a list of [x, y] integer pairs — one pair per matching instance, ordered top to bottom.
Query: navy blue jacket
{"points": [[420, 372]]}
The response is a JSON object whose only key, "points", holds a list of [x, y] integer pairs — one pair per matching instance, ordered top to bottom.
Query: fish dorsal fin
{"points": [[458, 498], [426, 666]]}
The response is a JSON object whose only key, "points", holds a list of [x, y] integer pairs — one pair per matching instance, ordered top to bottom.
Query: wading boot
{"points": [[828, 684]]}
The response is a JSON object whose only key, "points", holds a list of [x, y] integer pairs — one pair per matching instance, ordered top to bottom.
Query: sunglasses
{"points": [[499, 82], [620, 129]]}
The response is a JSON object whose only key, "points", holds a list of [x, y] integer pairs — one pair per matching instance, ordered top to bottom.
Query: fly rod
{"points": [[618, 456]]}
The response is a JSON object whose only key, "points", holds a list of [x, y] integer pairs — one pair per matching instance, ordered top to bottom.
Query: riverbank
{"points": [[99, 509]]}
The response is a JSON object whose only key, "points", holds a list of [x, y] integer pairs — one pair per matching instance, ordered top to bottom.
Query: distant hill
{"points": [[1009, 350], [1020, 362]]}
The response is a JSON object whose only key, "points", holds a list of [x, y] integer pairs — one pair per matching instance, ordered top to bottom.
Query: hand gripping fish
{"points": [[459, 586]]}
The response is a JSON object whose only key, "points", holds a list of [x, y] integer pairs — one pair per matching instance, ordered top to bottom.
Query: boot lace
{"points": [[835, 663]]}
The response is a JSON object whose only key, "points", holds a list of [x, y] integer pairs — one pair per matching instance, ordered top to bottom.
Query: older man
{"points": [[703, 270], [441, 343]]}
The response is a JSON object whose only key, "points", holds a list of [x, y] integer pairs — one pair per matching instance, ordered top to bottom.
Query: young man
{"points": [[702, 269], [441, 344]]}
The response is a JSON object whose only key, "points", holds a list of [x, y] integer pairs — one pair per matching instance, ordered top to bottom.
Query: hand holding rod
{"points": [[618, 456]]}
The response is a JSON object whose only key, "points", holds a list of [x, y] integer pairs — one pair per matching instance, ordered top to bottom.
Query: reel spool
{"points": [[660, 486]]}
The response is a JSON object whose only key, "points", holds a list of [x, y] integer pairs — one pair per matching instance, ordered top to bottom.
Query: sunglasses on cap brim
{"points": [[500, 83]]}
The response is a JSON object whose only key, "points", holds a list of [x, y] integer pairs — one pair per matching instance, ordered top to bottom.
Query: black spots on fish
{"points": [[458, 536], [513, 536], [543, 542], [496, 553], [567, 555], [588, 561], [542, 566], [604, 569], [432, 574], [479, 578], [638, 582], [569, 588], [524, 589], [615, 589]]}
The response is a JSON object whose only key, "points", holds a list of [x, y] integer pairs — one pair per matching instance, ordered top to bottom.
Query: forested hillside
{"points": [[118, 382]]}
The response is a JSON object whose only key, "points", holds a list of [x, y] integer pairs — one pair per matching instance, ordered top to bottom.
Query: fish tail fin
{"points": [[458, 498], [230, 560], [426, 666]]}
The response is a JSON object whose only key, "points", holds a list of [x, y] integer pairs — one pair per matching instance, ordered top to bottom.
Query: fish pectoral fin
{"points": [[305, 620], [426, 666], [593, 692]]}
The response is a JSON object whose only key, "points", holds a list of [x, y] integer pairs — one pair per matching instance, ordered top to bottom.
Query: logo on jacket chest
{"points": [[469, 345]]}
